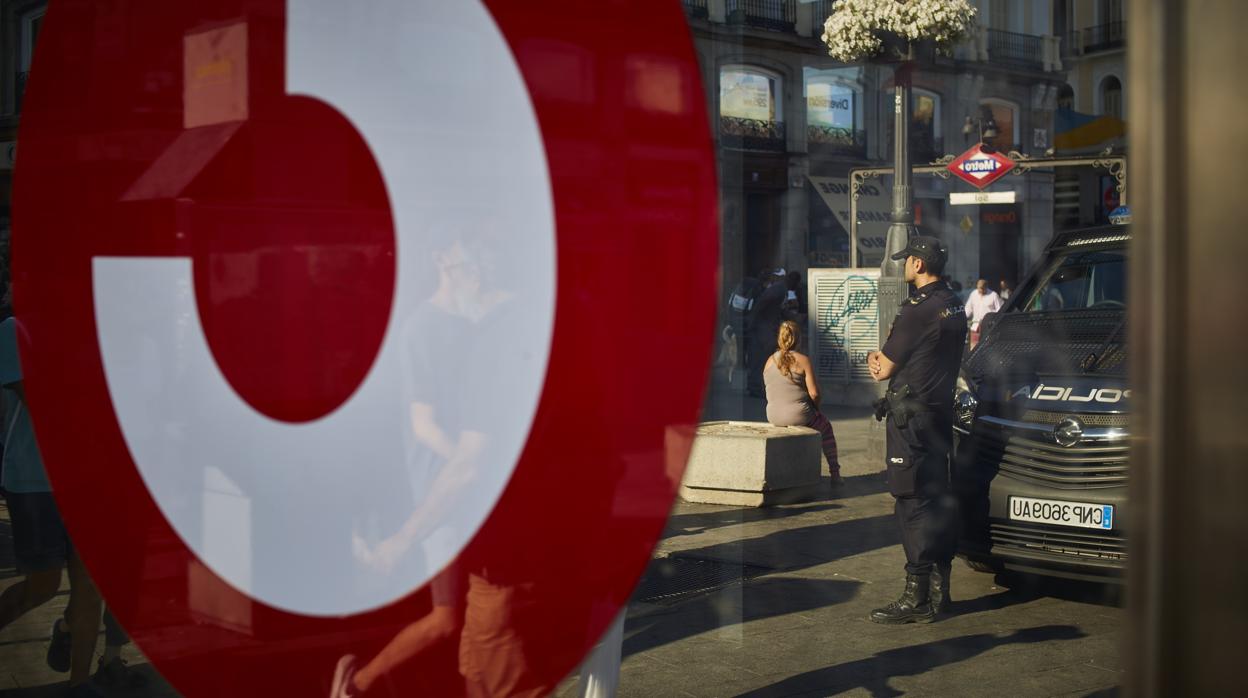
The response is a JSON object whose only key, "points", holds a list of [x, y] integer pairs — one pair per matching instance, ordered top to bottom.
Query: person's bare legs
{"points": [[32, 592], [83, 617], [411, 641]]}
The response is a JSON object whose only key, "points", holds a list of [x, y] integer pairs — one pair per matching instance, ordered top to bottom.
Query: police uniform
{"points": [[925, 344]]}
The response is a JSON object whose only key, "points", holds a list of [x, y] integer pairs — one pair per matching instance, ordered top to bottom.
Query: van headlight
{"points": [[964, 405]]}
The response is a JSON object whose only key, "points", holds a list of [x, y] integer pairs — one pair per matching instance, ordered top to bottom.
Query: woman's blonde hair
{"points": [[786, 340]]}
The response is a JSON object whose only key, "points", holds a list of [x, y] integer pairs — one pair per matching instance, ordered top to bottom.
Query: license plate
{"points": [[1050, 511]]}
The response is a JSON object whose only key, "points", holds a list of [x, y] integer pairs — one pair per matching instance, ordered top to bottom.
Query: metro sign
{"points": [[980, 167], [328, 321]]}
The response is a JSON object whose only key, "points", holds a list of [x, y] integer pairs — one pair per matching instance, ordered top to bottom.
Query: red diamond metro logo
{"points": [[980, 167]]}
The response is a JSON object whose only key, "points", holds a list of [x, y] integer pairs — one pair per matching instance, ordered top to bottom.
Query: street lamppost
{"points": [[986, 125]]}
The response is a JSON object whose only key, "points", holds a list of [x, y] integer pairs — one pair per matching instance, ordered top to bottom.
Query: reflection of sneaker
{"points": [[58, 649], [118, 674], [344, 678]]}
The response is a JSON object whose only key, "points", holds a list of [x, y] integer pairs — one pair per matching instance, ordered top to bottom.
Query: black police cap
{"points": [[928, 249]]}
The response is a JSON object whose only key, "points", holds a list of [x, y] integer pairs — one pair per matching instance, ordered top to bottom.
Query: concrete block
{"points": [[752, 464]]}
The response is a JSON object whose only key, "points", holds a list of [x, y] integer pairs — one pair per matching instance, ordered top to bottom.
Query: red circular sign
{"points": [[177, 132]]}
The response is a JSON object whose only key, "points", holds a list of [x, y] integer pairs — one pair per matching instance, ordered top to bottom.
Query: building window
{"points": [[1110, 11], [998, 16], [30, 24], [749, 93], [1065, 97], [1111, 97], [750, 108], [834, 108], [1005, 116], [925, 140]]}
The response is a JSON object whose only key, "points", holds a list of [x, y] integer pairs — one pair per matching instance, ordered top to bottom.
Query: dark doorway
{"points": [[762, 230], [1000, 242]]}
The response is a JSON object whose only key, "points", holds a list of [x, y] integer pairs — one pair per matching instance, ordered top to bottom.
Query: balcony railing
{"points": [[696, 9], [774, 15], [1104, 37], [1022, 50], [751, 134], [838, 141]]}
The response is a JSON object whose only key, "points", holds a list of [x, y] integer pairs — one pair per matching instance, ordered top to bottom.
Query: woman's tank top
{"points": [[788, 403]]}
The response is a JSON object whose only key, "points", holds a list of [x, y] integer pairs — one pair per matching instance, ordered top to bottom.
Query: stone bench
{"points": [[752, 464]]}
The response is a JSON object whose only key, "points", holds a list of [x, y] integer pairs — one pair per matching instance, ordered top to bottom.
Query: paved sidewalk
{"points": [[774, 602]]}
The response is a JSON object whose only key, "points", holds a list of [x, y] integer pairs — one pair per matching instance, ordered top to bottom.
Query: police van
{"points": [[1040, 463]]}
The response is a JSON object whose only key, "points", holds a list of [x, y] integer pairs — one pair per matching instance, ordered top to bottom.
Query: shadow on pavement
{"points": [[858, 486], [697, 522], [799, 548], [1101, 594], [765, 597], [760, 599], [990, 602], [873, 673], [154, 687]]}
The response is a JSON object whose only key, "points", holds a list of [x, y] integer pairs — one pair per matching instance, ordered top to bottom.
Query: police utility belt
{"points": [[900, 404]]}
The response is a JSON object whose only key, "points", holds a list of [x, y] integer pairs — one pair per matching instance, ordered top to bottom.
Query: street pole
{"points": [[903, 191], [892, 288]]}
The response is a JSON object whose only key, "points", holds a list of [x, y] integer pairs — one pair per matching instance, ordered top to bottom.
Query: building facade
{"points": [[20, 22], [792, 123]]}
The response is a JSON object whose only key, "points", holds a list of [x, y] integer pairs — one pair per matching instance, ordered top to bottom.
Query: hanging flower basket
{"points": [[895, 31], [895, 48]]}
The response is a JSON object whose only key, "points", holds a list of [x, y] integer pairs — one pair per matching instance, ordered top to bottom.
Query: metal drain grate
{"points": [[674, 578]]}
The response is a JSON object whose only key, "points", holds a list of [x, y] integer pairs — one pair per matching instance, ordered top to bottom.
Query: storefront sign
{"points": [[980, 167], [981, 197], [875, 206], [301, 382]]}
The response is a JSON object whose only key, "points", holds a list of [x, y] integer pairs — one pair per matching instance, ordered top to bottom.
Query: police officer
{"points": [[920, 360]]}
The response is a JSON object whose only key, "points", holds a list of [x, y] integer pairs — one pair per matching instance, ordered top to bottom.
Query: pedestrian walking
{"points": [[982, 301], [764, 321], [920, 360], [793, 394], [41, 544]]}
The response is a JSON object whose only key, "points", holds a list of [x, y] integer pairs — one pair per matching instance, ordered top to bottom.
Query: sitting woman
{"points": [[793, 395]]}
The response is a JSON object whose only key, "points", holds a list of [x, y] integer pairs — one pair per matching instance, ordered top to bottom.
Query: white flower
{"points": [[853, 30]]}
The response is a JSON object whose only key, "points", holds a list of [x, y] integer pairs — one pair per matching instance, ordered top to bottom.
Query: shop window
{"points": [[749, 93], [833, 109], [750, 112]]}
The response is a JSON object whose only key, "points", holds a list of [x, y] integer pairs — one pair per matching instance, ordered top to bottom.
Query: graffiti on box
{"points": [[846, 324]]}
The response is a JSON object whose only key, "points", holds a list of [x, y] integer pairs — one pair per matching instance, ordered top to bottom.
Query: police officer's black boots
{"points": [[939, 587], [911, 607]]}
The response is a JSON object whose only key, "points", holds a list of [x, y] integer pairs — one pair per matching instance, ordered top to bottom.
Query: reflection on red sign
{"points": [[980, 167], [281, 218]]}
